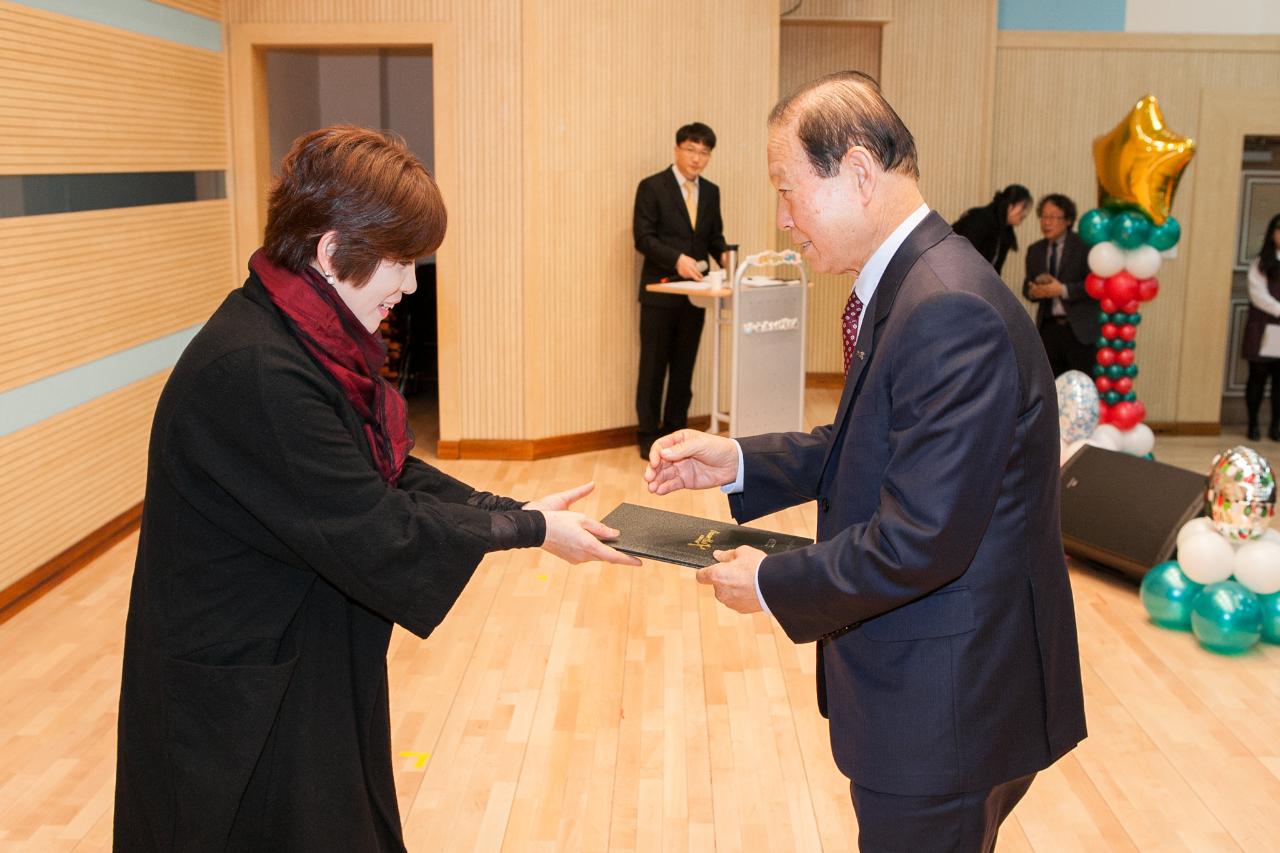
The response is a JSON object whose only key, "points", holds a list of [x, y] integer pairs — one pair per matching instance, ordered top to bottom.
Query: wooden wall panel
{"points": [[211, 9], [811, 49], [1055, 94], [82, 97], [593, 130], [79, 286], [70, 474]]}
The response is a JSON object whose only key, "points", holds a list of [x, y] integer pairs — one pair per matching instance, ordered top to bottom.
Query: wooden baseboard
{"points": [[824, 380], [1185, 427], [544, 448], [17, 596]]}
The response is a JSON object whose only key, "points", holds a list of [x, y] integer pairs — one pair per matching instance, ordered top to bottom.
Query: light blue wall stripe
{"points": [[1079, 15], [139, 16], [31, 403]]}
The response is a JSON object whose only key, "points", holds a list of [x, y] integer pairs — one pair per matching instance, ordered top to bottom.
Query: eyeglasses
{"points": [[695, 151], [1050, 217]]}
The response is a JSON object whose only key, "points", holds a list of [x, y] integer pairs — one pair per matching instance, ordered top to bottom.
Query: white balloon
{"points": [[1106, 259], [1142, 262], [1107, 437], [1138, 440], [1069, 450], [1203, 524], [1271, 535], [1206, 558], [1257, 566]]}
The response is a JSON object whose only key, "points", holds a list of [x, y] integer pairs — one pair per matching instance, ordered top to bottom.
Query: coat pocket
{"points": [[940, 614], [218, 720]]}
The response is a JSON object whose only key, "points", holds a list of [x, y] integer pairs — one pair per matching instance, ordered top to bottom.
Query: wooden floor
{"points": [[608, 708]]}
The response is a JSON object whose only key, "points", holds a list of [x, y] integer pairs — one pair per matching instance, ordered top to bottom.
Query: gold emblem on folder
{"points": [[703, 542]]}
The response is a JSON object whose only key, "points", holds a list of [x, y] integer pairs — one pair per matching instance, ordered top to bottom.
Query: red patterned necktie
{"points": [[852, 314]]}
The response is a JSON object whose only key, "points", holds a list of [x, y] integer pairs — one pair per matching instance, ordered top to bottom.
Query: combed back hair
{"points": [[834, 113], [696, 132], [364, 184], [1063, 203]]}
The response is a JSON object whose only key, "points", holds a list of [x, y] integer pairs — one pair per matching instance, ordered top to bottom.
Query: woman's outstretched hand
{"points": [[572, 536]]}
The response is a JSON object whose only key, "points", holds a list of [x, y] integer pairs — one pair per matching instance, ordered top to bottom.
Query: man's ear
{"points": [[860, 167]]}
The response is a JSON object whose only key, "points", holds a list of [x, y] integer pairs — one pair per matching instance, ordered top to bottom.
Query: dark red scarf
{"points": [[351, 355]]}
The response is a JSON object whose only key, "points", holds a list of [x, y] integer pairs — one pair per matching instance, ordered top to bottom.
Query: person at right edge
{"points": [[1264, 310], [936, 591]]}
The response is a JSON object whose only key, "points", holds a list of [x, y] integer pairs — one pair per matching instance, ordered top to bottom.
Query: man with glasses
{"points": [[677, 227], [1066, 316]]}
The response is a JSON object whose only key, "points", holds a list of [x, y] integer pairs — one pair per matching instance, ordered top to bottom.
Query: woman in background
{"points": [[990, 228], [1264, 310], [286, 529]]}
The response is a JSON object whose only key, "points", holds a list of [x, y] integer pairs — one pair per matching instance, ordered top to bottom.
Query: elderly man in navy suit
{"points": [[937, 592]]}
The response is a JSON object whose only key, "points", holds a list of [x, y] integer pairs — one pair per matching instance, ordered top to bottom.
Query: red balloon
{"points": [[1095, 285], [1122, 287], [1147, 289], [1109, 305], [1130, 307], [1109, 330], [1128, 332], [1107, 356], [1124, 357], [1103, 384], [1123, 385], [1142, 410], [1104, 413], [1124, 416]]}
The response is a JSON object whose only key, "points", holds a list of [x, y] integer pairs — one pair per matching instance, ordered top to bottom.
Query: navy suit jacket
{"points": [[662, 231], [1073, 268], [937, 589]]}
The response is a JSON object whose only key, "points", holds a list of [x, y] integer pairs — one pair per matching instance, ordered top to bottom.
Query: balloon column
{"points": [[1138, 164], [1225, 584]]}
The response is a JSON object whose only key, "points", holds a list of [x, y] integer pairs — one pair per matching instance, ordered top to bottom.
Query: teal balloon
{"points": [[1093, 226], [1129, 229], [1165, 236], [1103, 317], [1135, 319], [1101, 342], [1099, 370], [1131, 370], [1115, 371], [1130, 396], [1111, 397], [1149, 456], [1167, 594], [1270, 605], [1226, 618]]}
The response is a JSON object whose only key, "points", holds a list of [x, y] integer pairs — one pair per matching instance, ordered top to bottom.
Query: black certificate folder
{"points": [[687, 540]]}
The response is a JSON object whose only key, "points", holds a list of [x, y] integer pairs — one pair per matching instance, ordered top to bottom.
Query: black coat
{"points": [[662, 231], [989, 234], [1073, 268], [272, 562], [937, 590]]}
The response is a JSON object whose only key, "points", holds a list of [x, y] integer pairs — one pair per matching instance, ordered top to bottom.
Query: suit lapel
{"points": [[676, 197], [931, 231]]}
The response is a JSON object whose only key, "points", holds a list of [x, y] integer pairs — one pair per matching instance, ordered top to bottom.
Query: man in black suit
{"points": [[677, 227], [1066, 316], [937, 592]]}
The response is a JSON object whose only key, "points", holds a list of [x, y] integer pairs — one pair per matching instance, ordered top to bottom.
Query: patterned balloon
{"points": [[1077, 406], [1241, 494]]}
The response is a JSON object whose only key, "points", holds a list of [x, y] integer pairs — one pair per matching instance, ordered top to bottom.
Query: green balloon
{"points": [[1093, 226], [1129, 229], [1165, 236], [1104, 317], [1135, 319], [1101, 343], [1116, 343], [1099, 370], [1131, 370], [1115, 371], [1130, 396], [1111, 397], [1167, 594], [1270, 605], [1226, 618]]}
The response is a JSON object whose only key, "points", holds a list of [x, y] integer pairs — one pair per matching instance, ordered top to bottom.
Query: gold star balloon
{"points": [[1139, 161]]}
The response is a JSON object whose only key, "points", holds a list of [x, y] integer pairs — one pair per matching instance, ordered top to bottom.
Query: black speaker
{"points": [[1124, 511]]}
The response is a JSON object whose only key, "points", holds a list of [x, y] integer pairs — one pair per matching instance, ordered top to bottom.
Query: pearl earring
{"points": [[328, 276]]}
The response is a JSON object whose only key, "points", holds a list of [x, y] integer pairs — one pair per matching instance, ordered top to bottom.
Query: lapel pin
{"points": [[861, 355]]}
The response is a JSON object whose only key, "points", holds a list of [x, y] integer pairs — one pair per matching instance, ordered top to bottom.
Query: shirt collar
{"points": [[680, 179], [872, 271]]}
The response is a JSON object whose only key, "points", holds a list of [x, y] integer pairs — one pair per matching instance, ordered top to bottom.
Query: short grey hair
{"points": [[836, 112]]}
